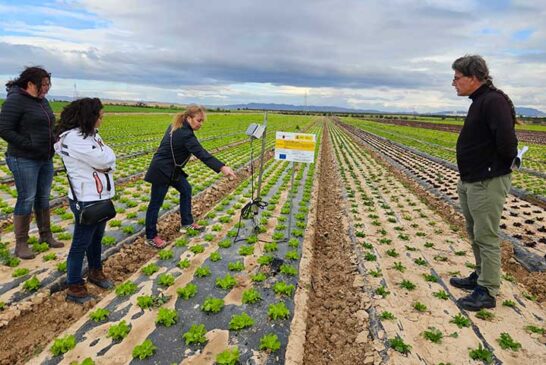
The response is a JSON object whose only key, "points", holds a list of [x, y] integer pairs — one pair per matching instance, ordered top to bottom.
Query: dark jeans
{"points": [[33, 180], [156, 200], [86, 241]]}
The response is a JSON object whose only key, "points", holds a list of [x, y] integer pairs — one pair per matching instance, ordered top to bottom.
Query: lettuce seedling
{"points": [[225, 243], [246, 250], [165, 254], [292, 255], [215, 256], [265, 260], [183, 264], [62, 266], [236, 266], [150, 269], [288, 270], [20, 272], [202, 272], [166, 279], [226, 283], [32, 284], [126, 288], [282, 288], [187, 292], [251, 296], [145, 301], [212, 305], [420, 307], [278, 311], [100, 314], [166, 317], [240, 321], [460, 321], [118, 331], [196, 334], [433, 335], [270, 342], [507, 342], [62, 345], [399, 345], [144, 350], [482, 354], [228, 357]]}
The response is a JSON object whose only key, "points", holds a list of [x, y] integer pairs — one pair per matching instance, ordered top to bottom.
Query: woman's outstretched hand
{"points": [[227, 171]]}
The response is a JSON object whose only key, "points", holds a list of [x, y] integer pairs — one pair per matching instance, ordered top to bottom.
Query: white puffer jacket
{"points": [[90, 165]]}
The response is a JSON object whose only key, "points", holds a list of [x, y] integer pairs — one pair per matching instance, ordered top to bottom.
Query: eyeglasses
{"points": [[457, 78]]}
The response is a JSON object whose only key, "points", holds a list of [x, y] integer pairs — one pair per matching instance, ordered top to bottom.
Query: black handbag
{"points": [[98, 212], [94, 213]]}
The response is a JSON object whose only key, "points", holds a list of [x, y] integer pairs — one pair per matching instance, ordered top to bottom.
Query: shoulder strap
{"points": [[68, 177]]}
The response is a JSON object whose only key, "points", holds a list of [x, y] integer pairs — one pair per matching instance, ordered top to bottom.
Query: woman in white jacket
{"points": [[89, 164]]}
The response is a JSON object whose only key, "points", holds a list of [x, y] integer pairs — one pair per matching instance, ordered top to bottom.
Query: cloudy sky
{"points": [[380, 54]]}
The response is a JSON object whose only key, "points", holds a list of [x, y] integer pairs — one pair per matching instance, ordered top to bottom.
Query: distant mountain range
{"points": [[290, 107], [523, 111], [527, 112]]}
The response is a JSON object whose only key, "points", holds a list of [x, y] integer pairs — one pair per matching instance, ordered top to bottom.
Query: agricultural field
{"points": [[347, 263]]}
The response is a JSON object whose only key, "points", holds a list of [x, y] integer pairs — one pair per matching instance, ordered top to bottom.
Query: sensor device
{"points": [[255, 131]]}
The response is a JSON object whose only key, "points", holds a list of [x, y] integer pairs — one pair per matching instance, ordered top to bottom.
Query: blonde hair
{"points": [[191, 111]]}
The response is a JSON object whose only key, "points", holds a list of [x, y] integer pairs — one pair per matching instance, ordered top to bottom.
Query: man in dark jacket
{"points": [[26, 123], [486, 148], [175, 149]]}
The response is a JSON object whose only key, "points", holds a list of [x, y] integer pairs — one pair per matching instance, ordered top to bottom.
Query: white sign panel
{"points": [[295, 147]]}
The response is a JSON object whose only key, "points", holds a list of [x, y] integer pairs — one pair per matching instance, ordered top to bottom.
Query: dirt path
{"points": [[337, 330]]}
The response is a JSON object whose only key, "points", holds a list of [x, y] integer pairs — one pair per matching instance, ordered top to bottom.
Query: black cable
{"points": [[246, 211]]}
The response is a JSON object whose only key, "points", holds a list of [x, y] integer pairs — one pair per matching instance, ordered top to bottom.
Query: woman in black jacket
{"points": [[26, 124], [175, 149]]}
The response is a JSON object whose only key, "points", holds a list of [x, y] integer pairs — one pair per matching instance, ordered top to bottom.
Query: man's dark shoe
{"points": [[97, 277], [468, 283], [78, 294], [479, 299]]}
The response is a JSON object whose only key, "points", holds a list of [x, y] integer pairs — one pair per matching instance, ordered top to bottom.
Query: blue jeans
{"points": [[33, 180], [156, 200], [86, 240]]}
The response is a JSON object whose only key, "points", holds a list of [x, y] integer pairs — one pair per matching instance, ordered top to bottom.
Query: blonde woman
{"points": [[175, 149]]}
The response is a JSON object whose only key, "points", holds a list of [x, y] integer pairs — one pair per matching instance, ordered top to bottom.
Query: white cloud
{"points": [[394, 54]]}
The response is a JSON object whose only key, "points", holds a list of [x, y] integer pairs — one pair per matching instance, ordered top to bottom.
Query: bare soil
{"points": [[334, 326]]}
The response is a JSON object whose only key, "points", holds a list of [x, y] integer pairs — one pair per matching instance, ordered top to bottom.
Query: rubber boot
{"points": [[21, 224], [44, 227], [97, 277], [78, 294]]}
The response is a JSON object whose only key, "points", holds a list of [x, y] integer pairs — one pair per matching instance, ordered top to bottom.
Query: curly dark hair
{"points": [[34, 74], [82, 114]]}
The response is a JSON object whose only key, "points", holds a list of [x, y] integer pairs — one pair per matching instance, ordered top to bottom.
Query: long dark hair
{"points": [[475, 65], [34, 74], [82, 114]]}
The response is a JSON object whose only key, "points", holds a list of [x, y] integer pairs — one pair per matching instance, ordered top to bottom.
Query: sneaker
{"points": [[194, 226], [156, 242], [468, 283], [480, 298]]}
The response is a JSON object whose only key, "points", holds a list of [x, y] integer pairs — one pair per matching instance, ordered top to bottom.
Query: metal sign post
{"points": [[294, 147]]}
